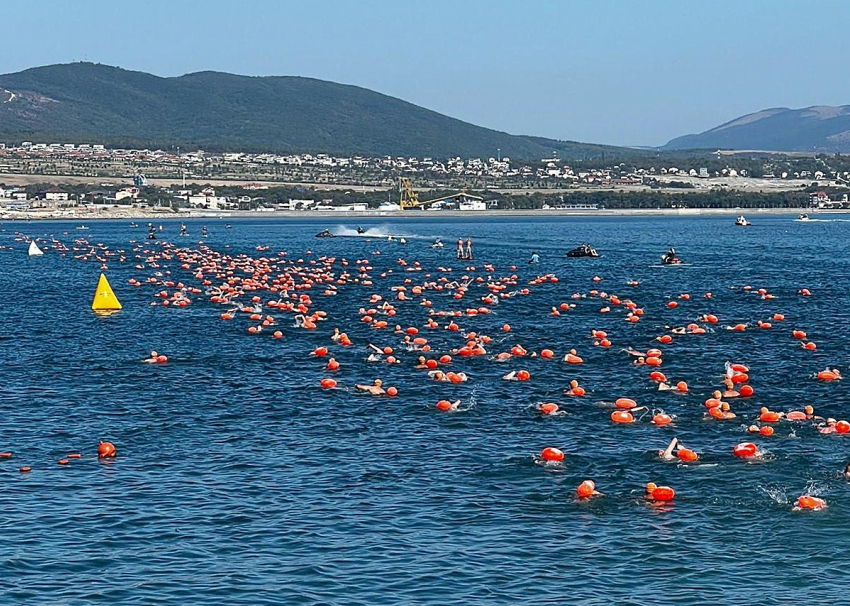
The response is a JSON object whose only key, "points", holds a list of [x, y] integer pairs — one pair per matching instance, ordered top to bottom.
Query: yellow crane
{"points": [[409, 199]]}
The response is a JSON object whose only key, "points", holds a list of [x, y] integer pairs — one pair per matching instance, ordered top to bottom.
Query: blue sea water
{"points": [[239, 481]]}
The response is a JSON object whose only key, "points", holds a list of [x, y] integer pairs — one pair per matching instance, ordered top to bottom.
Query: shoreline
{"points": [[147, 215]]}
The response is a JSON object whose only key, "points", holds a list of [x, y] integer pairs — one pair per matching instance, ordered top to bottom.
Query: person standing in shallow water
{"points": [[460, 248]]}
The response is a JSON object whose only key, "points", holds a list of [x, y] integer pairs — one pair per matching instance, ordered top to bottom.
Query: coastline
{"points": [[137, 214]]}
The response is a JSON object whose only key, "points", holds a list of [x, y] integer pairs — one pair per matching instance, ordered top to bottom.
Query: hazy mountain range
{"points": [[819, 128]]}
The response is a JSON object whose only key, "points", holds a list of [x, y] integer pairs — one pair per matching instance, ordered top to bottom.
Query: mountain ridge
{"points": [[93, 102], [817, 128]]}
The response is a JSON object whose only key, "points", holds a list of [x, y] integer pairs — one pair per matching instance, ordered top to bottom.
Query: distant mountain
{"points": [[101, 104], [818, 128]]}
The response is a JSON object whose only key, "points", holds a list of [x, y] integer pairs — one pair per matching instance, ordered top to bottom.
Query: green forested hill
{"points": [[102, 104]]}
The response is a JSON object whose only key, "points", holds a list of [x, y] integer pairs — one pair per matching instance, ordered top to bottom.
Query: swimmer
{"points": [[535, 258], [336, 336], [633, 352], [153, 359], [639, 362], [420, 363], [511, 376], [662, 386], [375, 390], [730, 391], [828, 428], [667, 453], [846, 472]]}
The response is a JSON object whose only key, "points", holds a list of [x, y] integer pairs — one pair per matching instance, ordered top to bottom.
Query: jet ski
{"points": [[803, 217], [742, 221], [325, 233], [437, 243], [585, 250], [670, 258]]}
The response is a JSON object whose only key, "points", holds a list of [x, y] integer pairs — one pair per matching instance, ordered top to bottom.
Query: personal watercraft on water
{"points": [[803, 217], [742, 221], [325, 233], [585, 250], [670, 258]]}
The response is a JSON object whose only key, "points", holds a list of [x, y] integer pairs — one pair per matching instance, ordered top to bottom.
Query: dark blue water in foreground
{"points": [[239, 481]]}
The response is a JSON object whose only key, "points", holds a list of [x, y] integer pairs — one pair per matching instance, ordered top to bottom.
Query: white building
{"points": [[472, 205]]}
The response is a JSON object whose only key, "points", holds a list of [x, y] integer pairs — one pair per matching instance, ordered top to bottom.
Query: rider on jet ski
{"points": [[670, 258]]}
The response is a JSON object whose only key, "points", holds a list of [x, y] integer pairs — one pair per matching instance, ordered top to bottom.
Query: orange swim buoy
{"points": [[798, 334], [547, 353], [653, 361], [523, 375], [826, 375], [657, 376], [328, 383], [682, 387], [392, 391], [746, 391], [625, 403], [444, 405], [549, 408], [768, 416], [622, 417], [662, 419], [842, 427], [767, 430], [106, 450], [745, 450], [685, 454], [553, 455], [586, 489], [662, 493], [807, 501]]}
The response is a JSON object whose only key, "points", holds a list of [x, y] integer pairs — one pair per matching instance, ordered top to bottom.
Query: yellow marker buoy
{"points": [[104, 298]]}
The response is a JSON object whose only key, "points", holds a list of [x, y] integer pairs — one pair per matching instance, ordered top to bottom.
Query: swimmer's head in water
{"points": [[378, 382]]}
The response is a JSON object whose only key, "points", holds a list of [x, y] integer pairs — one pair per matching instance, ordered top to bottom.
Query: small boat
{"points": [[803, 217], [742, 221], [228, 226], [82, 227], [325, 233], [585, 250]]}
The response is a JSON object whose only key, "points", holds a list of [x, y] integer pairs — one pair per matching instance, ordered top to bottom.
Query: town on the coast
{"points": [[67, 179]]}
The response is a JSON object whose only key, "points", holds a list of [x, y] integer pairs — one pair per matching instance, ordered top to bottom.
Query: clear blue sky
{"points": [[619, 72]]}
